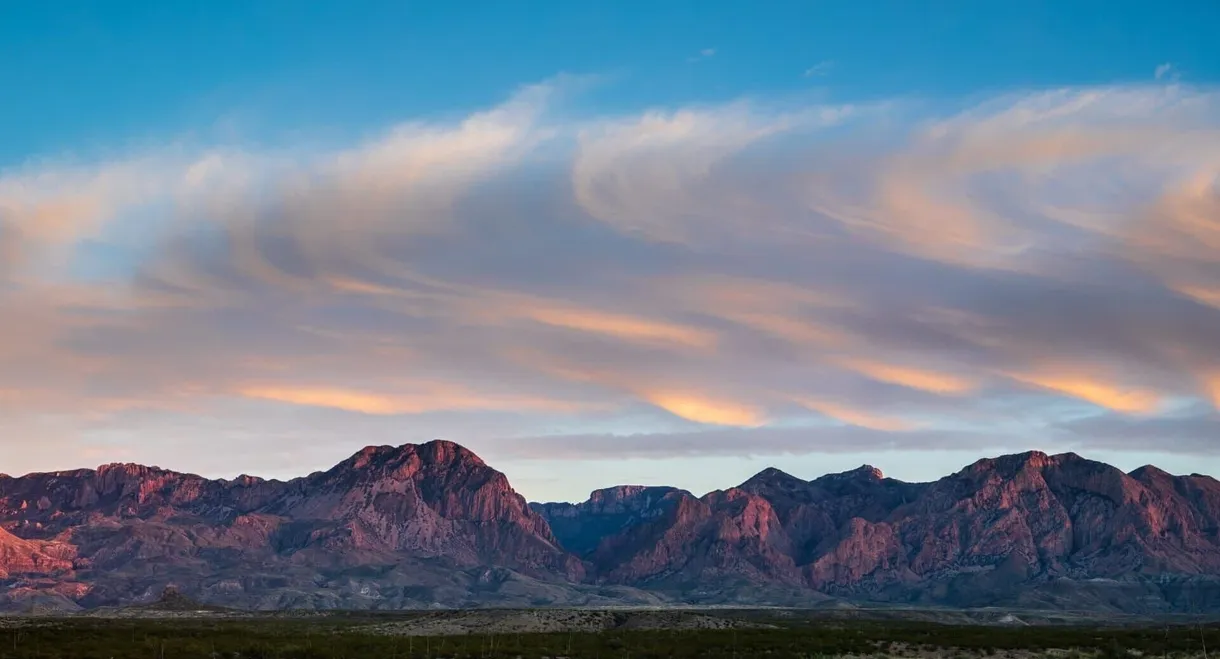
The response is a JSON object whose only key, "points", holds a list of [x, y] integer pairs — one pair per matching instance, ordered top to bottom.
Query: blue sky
{"points": [[87, 75], [609, 242]]}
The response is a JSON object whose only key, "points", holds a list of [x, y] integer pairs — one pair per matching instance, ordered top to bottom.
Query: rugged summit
{"points": [[431, 524], [388, 527], [1027, 529]]}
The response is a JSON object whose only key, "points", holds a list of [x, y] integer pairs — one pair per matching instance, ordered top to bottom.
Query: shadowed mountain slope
{"points": [[432, 524]]}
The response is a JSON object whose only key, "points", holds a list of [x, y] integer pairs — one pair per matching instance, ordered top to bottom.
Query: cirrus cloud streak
{"points": [[899, 269]]}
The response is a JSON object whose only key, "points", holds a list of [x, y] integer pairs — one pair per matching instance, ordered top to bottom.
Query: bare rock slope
{"points": [[432, 525], [389, 527], [1029, 530]]}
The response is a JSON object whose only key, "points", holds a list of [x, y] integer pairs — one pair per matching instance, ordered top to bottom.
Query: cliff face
{"points": [[435, 500], [416, 522], [420, 525], [994, 532], [19, 557]]}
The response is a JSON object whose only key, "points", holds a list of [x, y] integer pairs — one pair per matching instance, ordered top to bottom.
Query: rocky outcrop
{"points": [[438, 500], [608, 512], [432, 524], [388, 526], [988, 534], [21, 557]]}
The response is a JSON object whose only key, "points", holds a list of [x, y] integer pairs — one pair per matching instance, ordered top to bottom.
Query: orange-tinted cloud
{"points": [[716, 274], [780, 309], [632, 328], [922, 379], [1210, 384], [1111, 395], [428, 398], [352, 401], [690, 401], [702, 408], [854, 416]]}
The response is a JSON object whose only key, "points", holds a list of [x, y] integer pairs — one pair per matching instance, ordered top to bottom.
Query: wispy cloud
{"points": [[704, 54], [820, 69], [1166, 71], [722, 274], [733, 442]]}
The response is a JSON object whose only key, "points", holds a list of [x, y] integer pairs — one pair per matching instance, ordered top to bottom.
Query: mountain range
{"points": [[432, 525]]}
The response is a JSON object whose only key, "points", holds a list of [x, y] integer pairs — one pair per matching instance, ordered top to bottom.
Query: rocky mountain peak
{"points": [[442, 451], [409, 458], [1037, 460], [1008, 466], [125, 468], [867, 472], [1149, 473], [864, 474], [771, 477], [627, 496], [416, 524]]}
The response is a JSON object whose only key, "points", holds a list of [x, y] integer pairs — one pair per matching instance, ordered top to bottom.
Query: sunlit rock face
{"points": [[432, 524], [390, 526], [1014, 529]]}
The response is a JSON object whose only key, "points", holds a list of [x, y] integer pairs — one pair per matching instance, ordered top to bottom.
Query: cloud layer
{"points": [[717, 280]]}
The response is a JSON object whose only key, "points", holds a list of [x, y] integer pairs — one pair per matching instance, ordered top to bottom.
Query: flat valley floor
{"points": [[184, 633]]}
